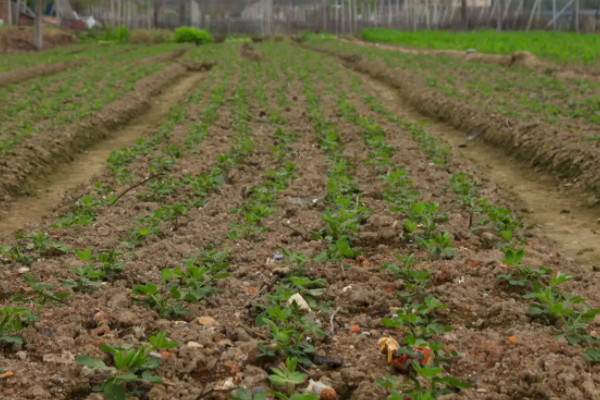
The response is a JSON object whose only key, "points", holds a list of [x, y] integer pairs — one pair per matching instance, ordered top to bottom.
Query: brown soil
{"points": [[13, 40], [248, 52], [165, 57], [518, 58], [16, 76], [540, 144]]}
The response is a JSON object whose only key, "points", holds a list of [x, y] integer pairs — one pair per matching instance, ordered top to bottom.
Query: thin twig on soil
{"points": [[134, 186], [296, 231], [331, 330], [254, 333]]}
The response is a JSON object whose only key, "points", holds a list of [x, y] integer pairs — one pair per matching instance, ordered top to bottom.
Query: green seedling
{"points": [[467, 188], [398, 190], [83, 213], [426, 215], [340, 224], [507, 227], [138, 236], [439, 246], [31, 247], [338, 251], [16, 254], [215, 259], [295, 260], [110, 264], [527, 276], [88, 278], [414, 280], [192, 284], [44, 291], [149, 294], [550, 304], [418, 318], [14, 319], [289, 327], [592, 355], [131, 366], [288, 377], [434, 384], [245, 394]]}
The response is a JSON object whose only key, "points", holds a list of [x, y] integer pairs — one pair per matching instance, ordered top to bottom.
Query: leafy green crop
{"points": [[562, 47], [131, 365]]}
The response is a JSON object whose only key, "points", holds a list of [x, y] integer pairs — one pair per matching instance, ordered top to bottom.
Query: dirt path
{"points": [[49, 191], [562, 216]]}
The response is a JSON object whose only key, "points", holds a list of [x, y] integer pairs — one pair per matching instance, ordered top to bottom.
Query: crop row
{"points": [[94, 53], [515, 92], [42, 104], [101, 267]]}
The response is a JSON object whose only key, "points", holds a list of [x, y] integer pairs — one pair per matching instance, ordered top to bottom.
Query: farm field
{"points": [[559, 47], [40, 117], [550, 121], [283, 226]]}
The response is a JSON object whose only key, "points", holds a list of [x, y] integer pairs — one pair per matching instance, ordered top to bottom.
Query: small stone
{"points": [[23, 270], [120, 300], [99, 317], [127, 318], [205, 320], [194, 345], [21, 355], [255, 377], [227, 385], [38, 392]]}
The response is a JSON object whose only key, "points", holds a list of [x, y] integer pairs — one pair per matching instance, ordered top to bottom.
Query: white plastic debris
{"points": [[300, 302], [320, 389]]}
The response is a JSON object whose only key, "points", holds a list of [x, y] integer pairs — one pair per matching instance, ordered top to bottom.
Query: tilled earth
{"points": [[493, 343]]}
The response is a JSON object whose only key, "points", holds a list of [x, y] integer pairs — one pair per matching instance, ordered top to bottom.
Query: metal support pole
{"points": [[9, 10], [576, 15], [499, 16], [38, 33]]}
